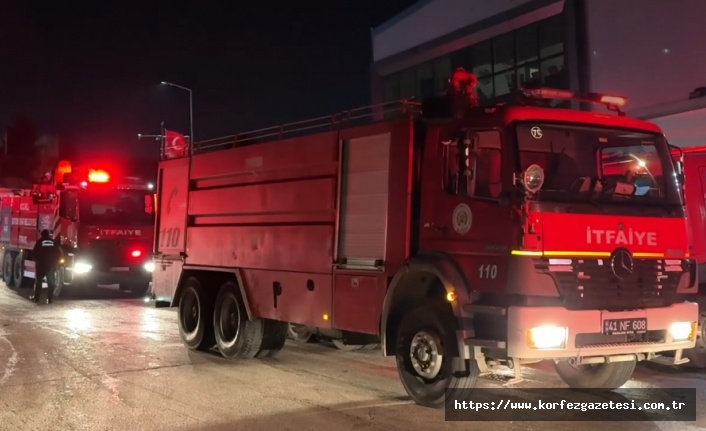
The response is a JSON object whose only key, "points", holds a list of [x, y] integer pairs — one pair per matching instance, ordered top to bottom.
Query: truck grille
{"points": [[106, 254], [589, 283]]}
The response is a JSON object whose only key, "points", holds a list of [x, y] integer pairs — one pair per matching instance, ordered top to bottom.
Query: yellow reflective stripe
{"points": [[557, 253]]}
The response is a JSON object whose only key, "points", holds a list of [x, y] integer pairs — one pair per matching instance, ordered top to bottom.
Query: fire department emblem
{"points": [[462, 219], [45, 222]]}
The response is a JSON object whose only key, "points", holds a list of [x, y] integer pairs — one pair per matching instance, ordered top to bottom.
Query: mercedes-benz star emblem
{"points": [[621, 263]]}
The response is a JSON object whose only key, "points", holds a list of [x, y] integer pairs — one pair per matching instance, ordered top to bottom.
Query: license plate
{"points": [[120, 269], [625, 326]]}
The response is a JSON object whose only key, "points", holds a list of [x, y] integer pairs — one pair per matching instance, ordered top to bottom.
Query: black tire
{"points": [[8, 264], [18, 268], [59, 277], [138, 288], [195, 313], [433, 323], [300, 333], [236, 336], [274, 336], [340, 345], [697, 355], [595, 376]]}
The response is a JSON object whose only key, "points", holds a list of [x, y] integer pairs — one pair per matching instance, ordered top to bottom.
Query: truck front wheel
{"points": [[59, 280], [137, 288], [195, 316], [236, 336], [426, 353], [595, 376]]}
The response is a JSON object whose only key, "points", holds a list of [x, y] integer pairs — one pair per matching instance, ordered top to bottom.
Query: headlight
{"points": [[149, 267], [82, 268], [682, 331], [547, 337]]}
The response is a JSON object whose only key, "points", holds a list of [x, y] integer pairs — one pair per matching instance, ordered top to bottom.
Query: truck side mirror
{"points": [[677, 155], [532, 179], [149, 204], [68, 205]]}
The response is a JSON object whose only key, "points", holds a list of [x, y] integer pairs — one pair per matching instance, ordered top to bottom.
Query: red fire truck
{"points": [[695, 192], [104, 223], [462, 239]]}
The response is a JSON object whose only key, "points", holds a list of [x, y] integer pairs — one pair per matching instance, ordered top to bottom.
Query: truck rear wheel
{"points": [[7, 267], [18, 278], [195, 316], [300, 333], [236, 336], [274, 336], [340, 345], [426, 353], [697, 355], [595, 376]]}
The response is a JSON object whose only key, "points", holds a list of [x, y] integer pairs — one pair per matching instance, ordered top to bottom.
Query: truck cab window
{"points": [[599, 164], [481, 167], [110, 206]]}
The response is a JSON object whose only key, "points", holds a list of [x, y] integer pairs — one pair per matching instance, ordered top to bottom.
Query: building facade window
{"points": [[532, 54]]}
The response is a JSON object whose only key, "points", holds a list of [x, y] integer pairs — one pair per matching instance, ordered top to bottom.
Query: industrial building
{"points": [[646, 50]]}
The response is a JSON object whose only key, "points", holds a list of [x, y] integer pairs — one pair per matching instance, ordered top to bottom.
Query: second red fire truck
{"points": [[103, 222], [461, 238]]}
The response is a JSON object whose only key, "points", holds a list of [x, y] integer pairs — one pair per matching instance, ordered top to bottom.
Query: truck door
{"points": [[172, 206], [464, 215], [698, 224]]}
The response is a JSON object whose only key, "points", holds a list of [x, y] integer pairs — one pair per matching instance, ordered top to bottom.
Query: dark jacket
{"points": [[47, 254]]}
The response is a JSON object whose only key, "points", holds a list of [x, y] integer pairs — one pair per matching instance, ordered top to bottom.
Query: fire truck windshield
{"points": [[596, 163], [114, 206]]}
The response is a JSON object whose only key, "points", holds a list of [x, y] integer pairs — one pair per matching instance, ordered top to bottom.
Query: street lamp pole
{"points": [[191, 110]]}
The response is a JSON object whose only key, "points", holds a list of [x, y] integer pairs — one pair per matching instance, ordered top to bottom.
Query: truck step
{"points": [[484, 309], [477, 342], [668, 361]]}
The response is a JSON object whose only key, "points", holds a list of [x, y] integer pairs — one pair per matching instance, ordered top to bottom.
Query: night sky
{"points": [[91, 72]]}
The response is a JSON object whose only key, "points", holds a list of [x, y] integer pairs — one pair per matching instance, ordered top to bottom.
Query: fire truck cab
{"points": [[103, 223], [462, 238]]}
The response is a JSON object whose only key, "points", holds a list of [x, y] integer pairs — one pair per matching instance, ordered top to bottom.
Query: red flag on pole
{"points": [[175, 145]]}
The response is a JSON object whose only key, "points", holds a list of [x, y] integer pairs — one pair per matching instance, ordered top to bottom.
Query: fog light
{"points": [[149, 267], [82, 268], [682, 331], [547, 337]]}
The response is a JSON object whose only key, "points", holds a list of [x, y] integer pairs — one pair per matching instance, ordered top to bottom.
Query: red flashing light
{"points": [[547, 93], [553, 93], [613, 100], [63, 169], [98, 176], [136, 253]]}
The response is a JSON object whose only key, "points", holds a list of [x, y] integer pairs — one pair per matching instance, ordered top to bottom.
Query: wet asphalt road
{"points": [[113, 362]]}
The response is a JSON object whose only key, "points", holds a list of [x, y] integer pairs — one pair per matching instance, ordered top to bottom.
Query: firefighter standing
{"points": [[47, 255]]}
